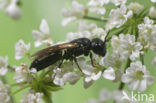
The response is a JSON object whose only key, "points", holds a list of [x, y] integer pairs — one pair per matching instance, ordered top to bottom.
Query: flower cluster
{"points": [[4, 93], [32, 97]]}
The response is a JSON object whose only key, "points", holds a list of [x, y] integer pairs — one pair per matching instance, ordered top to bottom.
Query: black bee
{"points": [[68, 51]]}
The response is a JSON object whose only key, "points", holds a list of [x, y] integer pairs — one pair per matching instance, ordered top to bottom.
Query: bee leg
{"points": [[91, 58], [75, 60], [60, 63], [58, 67]]}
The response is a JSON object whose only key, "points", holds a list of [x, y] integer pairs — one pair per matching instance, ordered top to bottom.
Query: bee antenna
{"points": [[106, 40]]}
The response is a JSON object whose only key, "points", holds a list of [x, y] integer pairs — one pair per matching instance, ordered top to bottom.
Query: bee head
{"points": [[98, 47]]}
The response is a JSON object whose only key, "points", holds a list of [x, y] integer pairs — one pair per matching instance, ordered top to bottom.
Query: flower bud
{"points": [[13, 11]]}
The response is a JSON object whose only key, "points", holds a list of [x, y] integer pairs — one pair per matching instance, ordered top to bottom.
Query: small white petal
{"points": [[152, 12], [66, 21], [44, 27], [37, 35], [3, 65], [33, 70], [3, 71], [109, 74], [97, 76], [71, 77], [126, 78], [88, 79], [149, 79], [59, 81], [87, 84], [134, 85], [143, 85]]}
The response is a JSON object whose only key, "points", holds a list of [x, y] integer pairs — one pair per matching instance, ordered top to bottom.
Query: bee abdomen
{"points": [[47, 61]]}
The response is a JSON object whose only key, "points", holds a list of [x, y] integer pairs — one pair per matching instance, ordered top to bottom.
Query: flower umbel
{"points": [[137, 77], [4, 93]]}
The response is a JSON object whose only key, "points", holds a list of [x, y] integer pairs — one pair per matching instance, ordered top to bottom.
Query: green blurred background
{"points": [[33, 12]]}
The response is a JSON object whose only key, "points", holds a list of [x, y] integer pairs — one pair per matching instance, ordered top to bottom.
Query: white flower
{"points": [[154, 1], [118, 2], [97, 6], [135, 7], [11, 8], [13, 11], [76, 12], [152, 12], [118, 17], [86, 26], [146, 27], [87, 30], [145, 30], [99, 32], [147, 33], [43, 36], [72, 36], [126, 46], [21, 49], [111, 61], [3, 65], [90, 73], [22, 74], [66, 74], [109, 74], [57, 76], [92, 76], [137, 77], [4, 93], [104, 95], [32, 97]]}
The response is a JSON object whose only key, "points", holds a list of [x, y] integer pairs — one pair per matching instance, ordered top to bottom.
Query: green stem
{"points": [[94, 18], [116, 31], [29, 56], [142, 59], [11, 68], [44, 73], [17, 84], [122, 85], [19, 90], [47, 97]]}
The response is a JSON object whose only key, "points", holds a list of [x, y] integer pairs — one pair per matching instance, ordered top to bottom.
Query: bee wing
{"points": [[51, 50]]}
